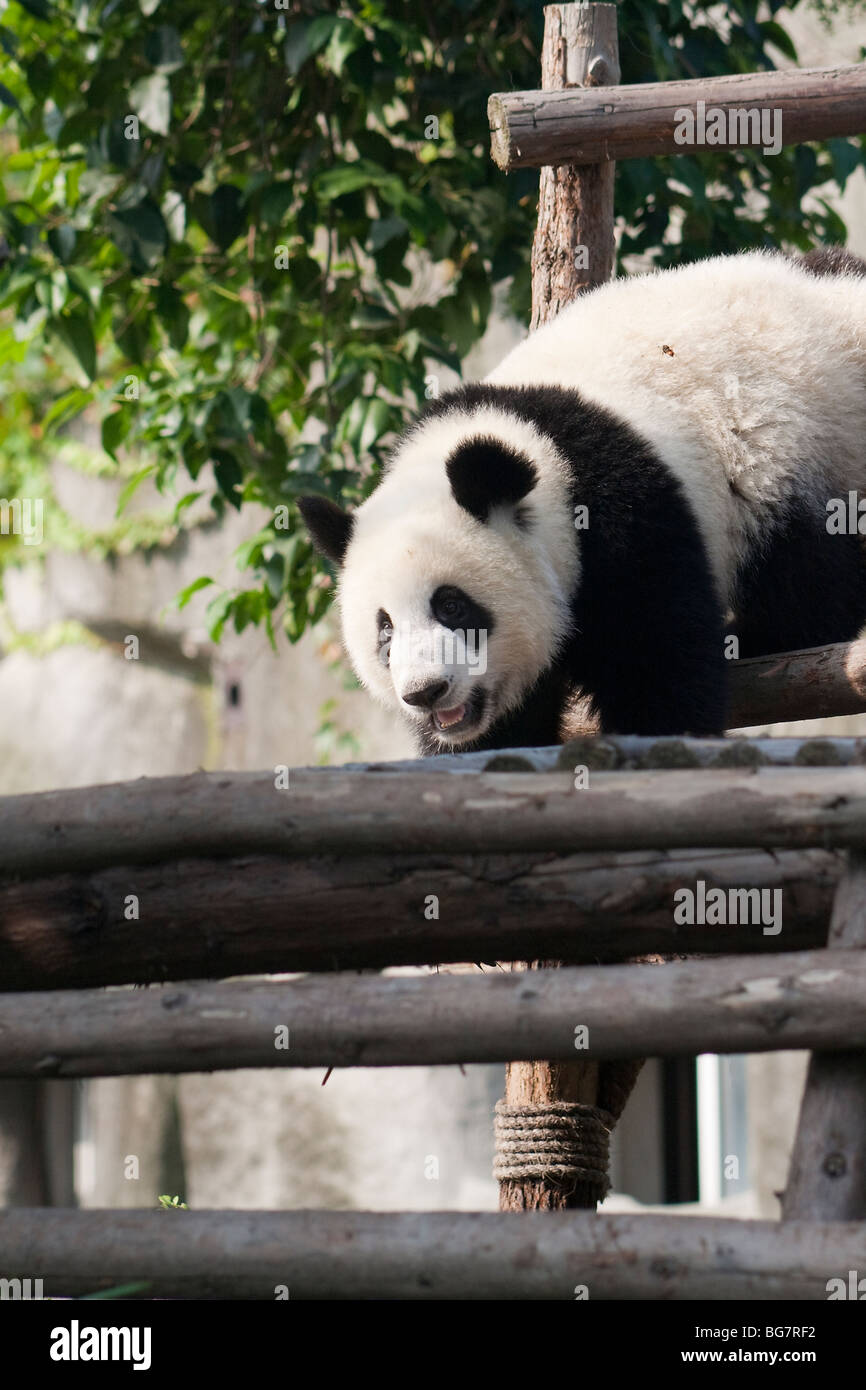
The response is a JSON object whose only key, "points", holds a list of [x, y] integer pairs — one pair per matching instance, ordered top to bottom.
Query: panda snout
{"points": [[427, 695]]}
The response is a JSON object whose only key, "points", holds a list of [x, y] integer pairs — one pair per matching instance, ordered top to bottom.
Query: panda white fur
{"points": [[703, 417]]}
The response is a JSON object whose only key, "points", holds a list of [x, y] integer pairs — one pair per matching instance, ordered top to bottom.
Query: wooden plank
{"points": [[586, 126], [816, 683], [330, 811], [207, 918], [735, 1004], [827, 1177], [438, 1255]]}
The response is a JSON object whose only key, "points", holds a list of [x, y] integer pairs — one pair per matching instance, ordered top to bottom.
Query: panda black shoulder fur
{"points": [[642, 476]]}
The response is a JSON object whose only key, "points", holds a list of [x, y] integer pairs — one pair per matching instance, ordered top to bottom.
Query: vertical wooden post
{"points": [[573, 247], [573, 250], [827, 1177]]}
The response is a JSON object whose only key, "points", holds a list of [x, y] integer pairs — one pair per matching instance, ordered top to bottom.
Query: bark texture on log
{"points": [[529, 130], [573, 247], [816, 683], [331, 811], [208, 918], [736, 1004], [827, 1177], [438, 1255]]}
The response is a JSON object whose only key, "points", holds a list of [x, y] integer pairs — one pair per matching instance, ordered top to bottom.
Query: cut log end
{"points": [[500, 134]]}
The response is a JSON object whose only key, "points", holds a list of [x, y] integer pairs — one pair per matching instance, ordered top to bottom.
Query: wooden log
{"points": [[583, 126], [573, 248], [816, 683], [634, 753], [330, 811], [204, 918], [734, 1004], [827, 1177], [432, 1255]]}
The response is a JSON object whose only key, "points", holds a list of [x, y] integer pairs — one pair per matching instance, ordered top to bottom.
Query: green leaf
{"points": [[40, 9], [774, 33], [345, 38], [305, 39], [163, 49], [40, 76], [9, 98], [150, 99], [846, 157], [348, 178], [276, 201], [228, 216], [385, 230], [140, 233], [61, 239], [174, 315], [372, 316], [76, 332], [133, 337], [66, 407], [376, 422], [115, 428], [229, 476], [134, 483], [185, 502], [182, 599], [216, 614], [117, 1291]]}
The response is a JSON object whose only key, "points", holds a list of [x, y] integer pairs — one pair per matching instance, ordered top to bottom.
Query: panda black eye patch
{"points": [[454, 609]]}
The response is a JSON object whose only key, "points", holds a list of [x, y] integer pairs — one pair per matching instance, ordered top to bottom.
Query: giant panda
{"points": [[638, 482]]}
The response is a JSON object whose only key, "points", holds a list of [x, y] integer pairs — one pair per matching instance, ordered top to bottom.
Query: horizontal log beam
{"points": [[589, 125], [817, 683], [634, 753], [331, 811], [215, 917], [807, 999], [435, 1255]]}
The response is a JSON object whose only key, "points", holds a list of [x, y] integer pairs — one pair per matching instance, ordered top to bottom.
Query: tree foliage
{"points": [[247, 235]]}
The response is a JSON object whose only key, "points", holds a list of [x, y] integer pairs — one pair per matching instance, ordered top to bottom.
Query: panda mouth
{"points": [[446, 720], [460, 722]]}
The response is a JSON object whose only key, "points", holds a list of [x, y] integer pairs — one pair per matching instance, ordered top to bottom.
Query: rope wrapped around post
{"points": [[554, 1141], [562, 1147]]}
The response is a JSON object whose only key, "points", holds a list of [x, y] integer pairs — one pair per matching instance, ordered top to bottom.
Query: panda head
{"points": [[455, 573]]}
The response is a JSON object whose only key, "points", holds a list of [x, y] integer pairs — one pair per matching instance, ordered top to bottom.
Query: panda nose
{"points": [[426, 697]]}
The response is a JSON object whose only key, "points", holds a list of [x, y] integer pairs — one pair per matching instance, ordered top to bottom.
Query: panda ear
{"points": [[485, 473], [329, 526]]}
